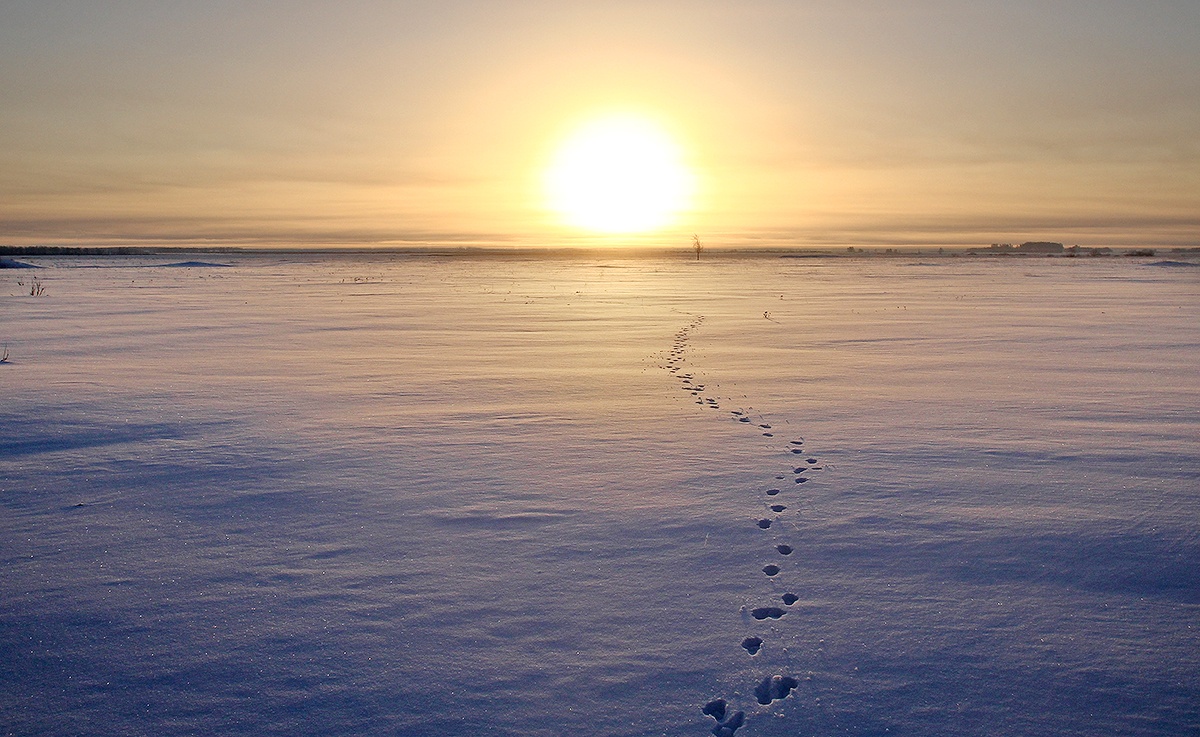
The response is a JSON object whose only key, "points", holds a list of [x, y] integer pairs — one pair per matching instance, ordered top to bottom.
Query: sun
{"points": [[619, 174]]}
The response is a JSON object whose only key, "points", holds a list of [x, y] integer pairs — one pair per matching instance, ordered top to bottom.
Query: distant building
{"points": [[1040, 247], [1027, 248]]}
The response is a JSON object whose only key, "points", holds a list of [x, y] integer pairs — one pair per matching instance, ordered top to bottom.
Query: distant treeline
{"points": [[94, 250]]}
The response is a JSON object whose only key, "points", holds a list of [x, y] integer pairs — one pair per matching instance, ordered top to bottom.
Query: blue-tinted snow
{"points": [[461, 497]]}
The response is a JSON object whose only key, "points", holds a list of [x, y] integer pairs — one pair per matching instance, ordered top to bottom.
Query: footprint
{"points": [[743, 419], [765, 426], [768, 435], [797, 442], [797, 451], [810, 460], [801, 480], [772, 492], [777, 507], [764, 523], [784, 549], [771, 569], [790, 599], [767, 612], [752, 645], [774, 688], [717, 709], [730, 725]]}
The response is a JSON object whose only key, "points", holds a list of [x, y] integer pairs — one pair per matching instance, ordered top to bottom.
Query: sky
{"points": [[416, 123]]}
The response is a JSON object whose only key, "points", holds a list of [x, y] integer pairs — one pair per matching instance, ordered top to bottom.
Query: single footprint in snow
{"points": [[768, 435], [797, 442], [797, 451], [810, 460], [801, 480], [772, 492], [777, 507], [764, 523], [784, 549], [771, 569], [790, 598], [767, 612], [752, 645], [774, 688], [726, 725], [730, 725]]}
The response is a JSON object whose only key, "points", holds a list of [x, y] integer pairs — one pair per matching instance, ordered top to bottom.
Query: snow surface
{"points": [[509, 496]]}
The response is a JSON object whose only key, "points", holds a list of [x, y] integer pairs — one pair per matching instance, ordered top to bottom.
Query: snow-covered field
{"points": [[426, 496]]}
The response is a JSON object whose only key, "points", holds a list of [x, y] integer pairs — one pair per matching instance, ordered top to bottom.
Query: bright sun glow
{"points": [[619, 175]]}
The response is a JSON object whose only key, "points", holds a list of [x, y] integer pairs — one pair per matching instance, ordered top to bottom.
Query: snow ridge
{"points": [[775, 686]]}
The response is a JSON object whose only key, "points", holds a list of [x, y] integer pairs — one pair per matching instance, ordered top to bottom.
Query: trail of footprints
{"points": [[773, 687]]}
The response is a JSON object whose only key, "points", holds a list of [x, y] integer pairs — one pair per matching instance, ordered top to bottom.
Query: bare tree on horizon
{"points": [[697, 246]]}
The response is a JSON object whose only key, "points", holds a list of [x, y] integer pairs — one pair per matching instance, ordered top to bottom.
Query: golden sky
{"points": [[804, 123]]}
